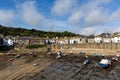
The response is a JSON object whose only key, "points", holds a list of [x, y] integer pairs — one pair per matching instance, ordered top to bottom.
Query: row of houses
{"points": [[106, 38], [114, 38]]}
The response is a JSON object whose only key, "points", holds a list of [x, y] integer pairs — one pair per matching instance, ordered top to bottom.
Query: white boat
{"points": [[58, 55], [104, 63]]}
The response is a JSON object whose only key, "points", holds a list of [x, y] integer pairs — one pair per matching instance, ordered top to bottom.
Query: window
{"points": [[118, 41]]}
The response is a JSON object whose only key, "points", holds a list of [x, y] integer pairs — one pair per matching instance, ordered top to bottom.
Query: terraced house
{"points": [[116, 38]]}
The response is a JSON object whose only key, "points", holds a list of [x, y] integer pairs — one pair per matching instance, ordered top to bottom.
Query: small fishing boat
{"points": [[82, 52], [49, 53], [59, 55], [95, 55], [17, 56], [116, 59], [10, 60], [86, 61], [104, 63]]}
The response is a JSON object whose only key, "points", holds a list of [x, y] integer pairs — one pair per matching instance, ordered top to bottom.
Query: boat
{"points": [[82, 52], [49, 53], [58, 55], [95, 55], [18, 56], [116, 59], [10, 60], [86, 61], [104, 63]]}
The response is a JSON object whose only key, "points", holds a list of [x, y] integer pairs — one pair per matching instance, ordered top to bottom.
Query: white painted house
{"points": [[116, 38], [91, 39], [98, 39], [75, 40], [78, 40], [107, 40], [66, 41], [71, 41], [8, 42], [61, 42]]}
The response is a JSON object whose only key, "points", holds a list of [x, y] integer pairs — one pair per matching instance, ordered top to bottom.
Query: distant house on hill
{"points": [[103, 38], [107, 38], [116, 38], [90, 39], [98, 39], [24, 40], [74, 40], [80, 40], [41, 41], [6, 44]]}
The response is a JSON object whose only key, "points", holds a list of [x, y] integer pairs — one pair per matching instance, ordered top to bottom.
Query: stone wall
{"points": [[110, 46]]}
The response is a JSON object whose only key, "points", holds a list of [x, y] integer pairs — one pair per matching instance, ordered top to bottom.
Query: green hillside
{"points": [[10, 31]]}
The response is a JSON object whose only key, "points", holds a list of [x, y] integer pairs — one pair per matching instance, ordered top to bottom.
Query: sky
{"points": [[84, 17]]}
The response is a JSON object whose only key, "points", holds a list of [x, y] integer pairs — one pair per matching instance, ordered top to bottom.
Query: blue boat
{"points": [[82, 52], [95, 55], [17, 56], [86, 61], [104, 63]]}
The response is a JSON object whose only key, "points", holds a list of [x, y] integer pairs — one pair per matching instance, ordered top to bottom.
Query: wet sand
{"points": [[89, 51], [69, 67]]}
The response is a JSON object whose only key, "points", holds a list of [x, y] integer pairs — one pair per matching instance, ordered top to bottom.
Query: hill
{"points": [[10, 31]]}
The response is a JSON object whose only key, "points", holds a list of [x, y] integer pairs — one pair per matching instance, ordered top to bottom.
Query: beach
{"points": [[69, 67]]}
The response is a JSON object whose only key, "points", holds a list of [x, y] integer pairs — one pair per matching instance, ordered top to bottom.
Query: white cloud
{"points": [[62, 7], [91, 13], [30, 14], [115, 15], [6, 16], [75, 17], [86, 17], [95, 17], [48, 23], [112, 29], [117, 29], [88, 30], [96, 30]]}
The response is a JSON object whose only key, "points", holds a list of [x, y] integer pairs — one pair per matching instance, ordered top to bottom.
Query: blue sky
{"points": [[79, 16]]}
